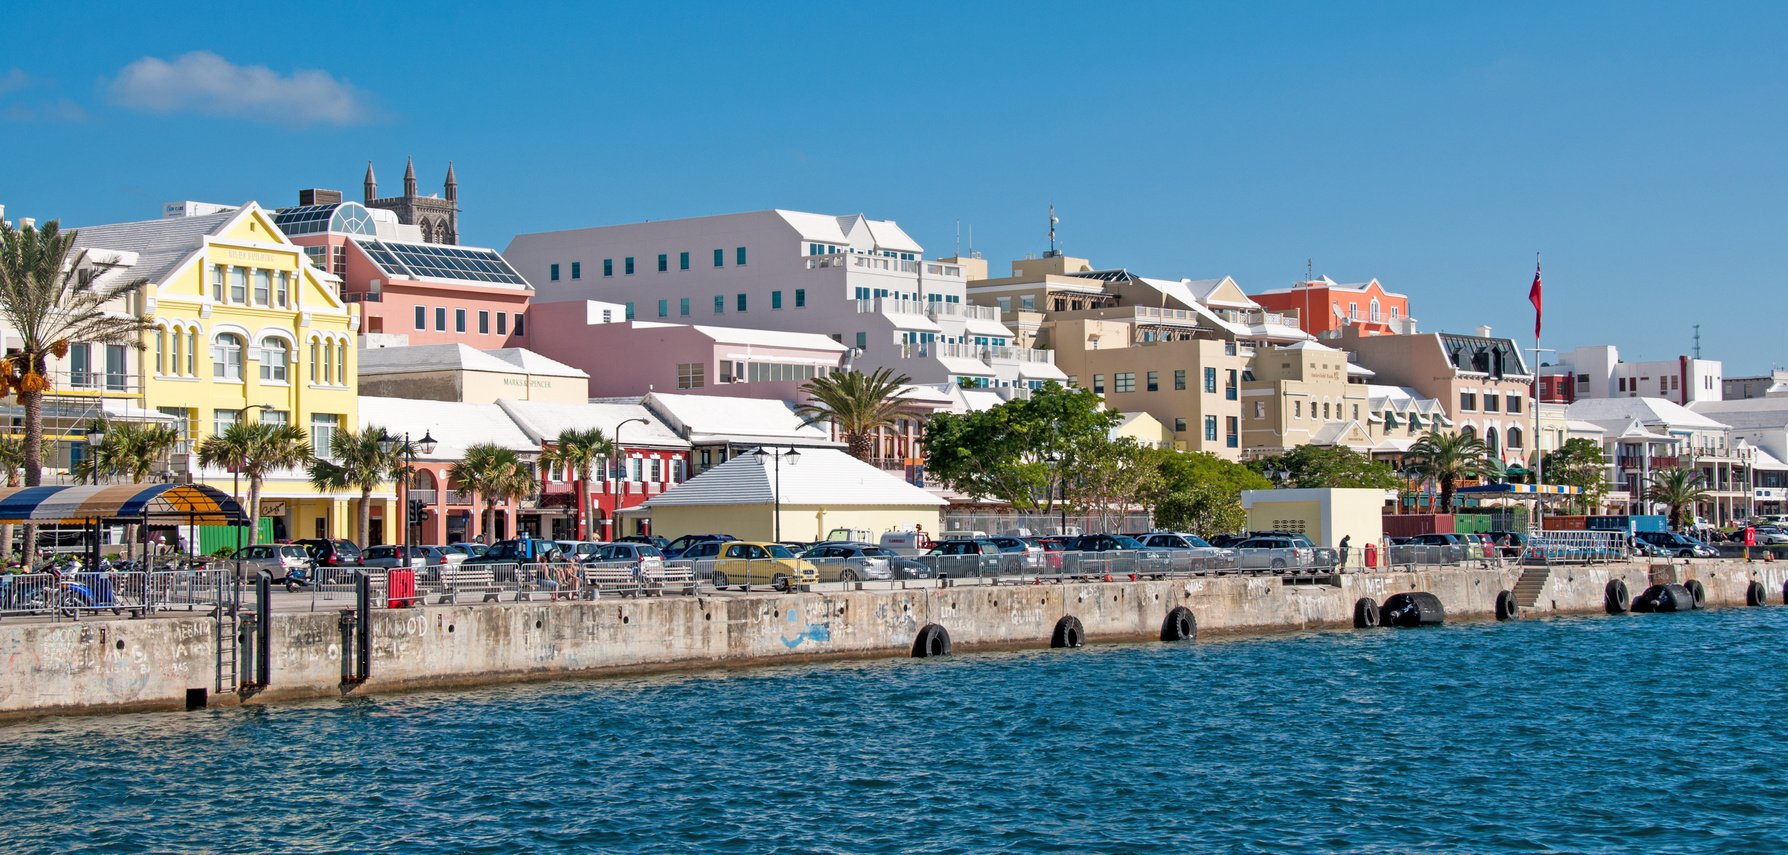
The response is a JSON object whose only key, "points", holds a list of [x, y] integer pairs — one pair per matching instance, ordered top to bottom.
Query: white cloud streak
{"points": [[14, 80], [204, 82]]}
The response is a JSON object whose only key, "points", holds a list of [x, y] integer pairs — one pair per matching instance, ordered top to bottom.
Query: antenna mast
{"points": [[1697, 341]]}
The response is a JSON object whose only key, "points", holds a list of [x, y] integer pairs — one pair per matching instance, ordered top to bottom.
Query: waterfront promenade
{"points": [[169, 661]]}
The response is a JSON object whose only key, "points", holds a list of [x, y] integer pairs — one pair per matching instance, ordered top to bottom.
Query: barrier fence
{"points": [[118, 592]]}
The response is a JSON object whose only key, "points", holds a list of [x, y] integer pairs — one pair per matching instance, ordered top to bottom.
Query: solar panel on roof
{"points": [[434, 261]]}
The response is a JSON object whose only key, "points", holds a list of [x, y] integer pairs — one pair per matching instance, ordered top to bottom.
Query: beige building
{"points": [[457, 372], [1185, 374], [1482, 380], [1304, 394], [1324, 515]]}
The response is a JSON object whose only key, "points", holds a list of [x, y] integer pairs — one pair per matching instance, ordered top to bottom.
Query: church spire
{"points": [[409, 176], [372, 183], [452, 186]]}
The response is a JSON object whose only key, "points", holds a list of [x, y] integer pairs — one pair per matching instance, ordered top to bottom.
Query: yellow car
{"points": [[751, 563]]}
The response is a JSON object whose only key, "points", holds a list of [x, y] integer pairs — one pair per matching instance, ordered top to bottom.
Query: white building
{"points": [[865, 283], [1599, 372], [1643, 435]]}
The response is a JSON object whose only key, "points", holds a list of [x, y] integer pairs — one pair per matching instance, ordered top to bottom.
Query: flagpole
{"points": [[1539, 451]]}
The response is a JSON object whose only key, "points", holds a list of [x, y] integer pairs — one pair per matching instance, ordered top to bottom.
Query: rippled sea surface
{"points": [[1655, 732]]}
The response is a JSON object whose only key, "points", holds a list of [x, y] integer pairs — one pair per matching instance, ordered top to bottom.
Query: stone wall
{"points": [[118, 665]]}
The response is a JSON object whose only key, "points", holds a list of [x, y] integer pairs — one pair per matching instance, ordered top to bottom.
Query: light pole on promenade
{"points": [[614, 485]]}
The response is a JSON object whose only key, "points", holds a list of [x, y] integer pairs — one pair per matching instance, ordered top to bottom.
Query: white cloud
{"points": [[14, 80], [204, 82]]}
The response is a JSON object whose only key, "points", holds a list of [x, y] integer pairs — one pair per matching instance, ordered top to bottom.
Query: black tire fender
{"points": [[1698, 591], [1756, 594], [1615, 597], [1506, 607], [1365, 613], [1180, 625], [1068, 633], [931, 640]]}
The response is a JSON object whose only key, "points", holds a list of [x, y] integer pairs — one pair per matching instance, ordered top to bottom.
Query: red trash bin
{"points": [[1371, 555], [400, 588]]}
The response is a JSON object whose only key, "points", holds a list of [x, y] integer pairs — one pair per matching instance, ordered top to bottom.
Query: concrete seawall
{"points": [[114, 665]]}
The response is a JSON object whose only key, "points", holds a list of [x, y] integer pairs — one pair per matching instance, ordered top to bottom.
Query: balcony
{"points": [[364, 297], [967, 311], [1170, 317], [990, 353], [428, 496], [460, 498]]}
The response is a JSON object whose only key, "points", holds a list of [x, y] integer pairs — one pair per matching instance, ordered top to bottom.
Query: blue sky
{"points": [[1435, 147]]}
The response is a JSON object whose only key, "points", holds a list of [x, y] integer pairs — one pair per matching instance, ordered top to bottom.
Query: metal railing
{"points": [[1577, 547], [136, 593]]}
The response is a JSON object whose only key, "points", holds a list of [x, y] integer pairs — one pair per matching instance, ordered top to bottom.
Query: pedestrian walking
{"points": [[1346, 540]]}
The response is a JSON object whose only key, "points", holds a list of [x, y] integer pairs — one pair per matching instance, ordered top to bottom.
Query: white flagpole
{"points": [[1539, 452]]}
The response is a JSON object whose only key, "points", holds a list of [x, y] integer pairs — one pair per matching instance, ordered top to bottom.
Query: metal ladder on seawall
{"points": [[1531, 585], [228, 644]]}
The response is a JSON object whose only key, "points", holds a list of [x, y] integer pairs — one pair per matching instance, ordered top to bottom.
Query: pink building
{"points": [[428, 293], [636, 357]]}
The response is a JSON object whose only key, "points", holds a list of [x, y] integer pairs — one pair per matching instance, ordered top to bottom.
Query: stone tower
{"points": [[436, 216]]}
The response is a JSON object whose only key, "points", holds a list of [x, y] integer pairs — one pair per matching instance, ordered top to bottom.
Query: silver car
{"points": [[1188, 548], [1274, 553], [421, 558], [853, 562], [288, 564]]}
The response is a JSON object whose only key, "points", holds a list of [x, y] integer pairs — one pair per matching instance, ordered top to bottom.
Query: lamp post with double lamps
{"points": [[389, 444], [777, 455], [614, 482]]}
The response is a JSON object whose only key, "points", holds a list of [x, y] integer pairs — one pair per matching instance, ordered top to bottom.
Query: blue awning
{"points": [[195, 503]]}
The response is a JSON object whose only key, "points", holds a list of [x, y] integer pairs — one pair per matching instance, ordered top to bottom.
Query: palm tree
{"points": [[48, 296], [857, 404], [134, 448], [254, 449], [578, 450], [1447, 458], [12, 459], [361, 463], [496, 474], [1681, 489]]}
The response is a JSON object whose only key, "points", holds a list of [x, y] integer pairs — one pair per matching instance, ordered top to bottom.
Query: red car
{"points": [[1052, 547]]}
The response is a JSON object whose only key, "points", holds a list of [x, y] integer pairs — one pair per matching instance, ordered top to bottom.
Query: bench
{"points": [[475, 578], [611, 579], [682, 579]]}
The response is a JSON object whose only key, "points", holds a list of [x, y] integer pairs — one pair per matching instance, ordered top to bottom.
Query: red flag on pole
{"points": [[1533, 296]]}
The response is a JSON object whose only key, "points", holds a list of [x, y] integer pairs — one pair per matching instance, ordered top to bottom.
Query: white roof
{"points": [[822, 228], [160, 245], [766, 338], [460, 357], [964, 366], [1040, 371], [1651, 411], [1746, 412], [719, 418], [543, 421], [454, 425], [1761, 459], [820, 476]]}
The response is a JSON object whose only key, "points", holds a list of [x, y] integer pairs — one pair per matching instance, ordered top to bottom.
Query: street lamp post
{"points": [[389, 444], [776, 455], [1054, 458], [614, 486]]}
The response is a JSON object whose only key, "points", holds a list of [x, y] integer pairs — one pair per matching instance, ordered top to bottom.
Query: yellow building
{"points": [[244, 327]]}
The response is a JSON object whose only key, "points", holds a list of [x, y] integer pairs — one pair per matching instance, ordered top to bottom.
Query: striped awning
{"points": [[1545, 489], [194, 503]]}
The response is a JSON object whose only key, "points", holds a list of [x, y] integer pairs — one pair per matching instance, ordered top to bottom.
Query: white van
{"points": [[902, 543]]}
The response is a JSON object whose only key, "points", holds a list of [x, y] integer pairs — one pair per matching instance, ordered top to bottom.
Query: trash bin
{"points": [[400, 588]]}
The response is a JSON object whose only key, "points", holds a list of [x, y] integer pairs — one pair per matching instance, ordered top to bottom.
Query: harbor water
{"points": [[1654, 732]]}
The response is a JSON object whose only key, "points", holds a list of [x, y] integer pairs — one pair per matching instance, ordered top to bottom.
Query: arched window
{"points": [[428, 231], [1374, 308], [161, 350], [192, 353], [275, 357], [226, 358], [341, 361], [316, 367], [1468, 430], [1514, 437], [1491, 446]]}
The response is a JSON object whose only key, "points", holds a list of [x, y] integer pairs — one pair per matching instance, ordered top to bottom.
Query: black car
{"points": [[649, 539], [1228, 541], [675, 549], [331, 552]]}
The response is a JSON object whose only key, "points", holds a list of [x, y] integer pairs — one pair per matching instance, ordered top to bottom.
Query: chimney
{"points": [[316, 196], [27, 222], [1484, 332]]}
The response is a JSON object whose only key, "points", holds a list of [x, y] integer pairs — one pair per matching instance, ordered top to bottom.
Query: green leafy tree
{"points": [[49, 299], [857, 404], [130, 449], [578, 449], [252, 450], [1022, 451], [1448, 458], [356, 461], [1580, 463], [1330, 466], [498, 475], [1112, 477], [1680, 489], [1202, 493]]}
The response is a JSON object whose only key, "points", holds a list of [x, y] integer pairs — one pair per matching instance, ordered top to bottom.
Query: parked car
{"points": [[1767, 535], [651, 539], [1181, 540], [1228, 541], [1678, 545], [676, 548], [1441, 548], [1053, 549], [471, 550], [578, 550], [331, 552], [1274, 552], [453, 554], [1031, 554], [507, 556], [637, 556], [960, 558], [427, 561], [853, 562], [288, 563], [749, 563]]}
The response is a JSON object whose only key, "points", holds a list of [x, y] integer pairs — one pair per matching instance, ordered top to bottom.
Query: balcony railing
{"points": [[364, 297], [969, 311], [1175, 317], [989, 353], [428, 496], [460, 497]]}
